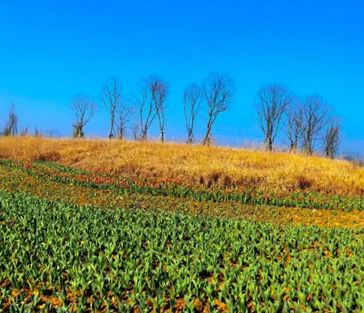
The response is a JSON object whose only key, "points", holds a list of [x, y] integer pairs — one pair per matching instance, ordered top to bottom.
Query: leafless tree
{"points": [[159, 91], [218, 92], [111, 95], [192, 100], [271, 105], [84, 109], [146, 110], [124, 116], [314, 120], [294, 125], [11, 128], [24, 131], [135, 131], [37, 132], [331, 139]]}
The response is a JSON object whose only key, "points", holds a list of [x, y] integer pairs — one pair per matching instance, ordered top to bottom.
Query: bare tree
{"points": [[159, 91], [218, 92], [111, 98], [192, 101], [271, 105], [84, 109], [146, 110], [125, 113], [314, 120], [294, 125], [11, 128], [24, 131], [135, 131], [37, 132], [331, 139]]}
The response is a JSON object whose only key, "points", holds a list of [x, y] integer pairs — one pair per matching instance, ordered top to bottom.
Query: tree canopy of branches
{"points": [[159, 90], [218, 92], [111, 95], [192, 101], [271, 105], [84, 109], [314, 121], [294, 125], [11, 128], [331, 139]]}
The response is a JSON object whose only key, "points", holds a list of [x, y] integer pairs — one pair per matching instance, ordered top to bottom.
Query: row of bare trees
{"points": [[150, 104], [306, 120]]}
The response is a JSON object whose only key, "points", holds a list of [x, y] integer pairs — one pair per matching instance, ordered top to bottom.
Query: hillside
{"points": [[197, 165]]}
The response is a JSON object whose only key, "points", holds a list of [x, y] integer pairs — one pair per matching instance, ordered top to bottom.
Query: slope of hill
{"points": [[198, 165]]}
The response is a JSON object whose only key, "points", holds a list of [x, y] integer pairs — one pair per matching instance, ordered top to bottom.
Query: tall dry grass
{"points": [[194, 164]]}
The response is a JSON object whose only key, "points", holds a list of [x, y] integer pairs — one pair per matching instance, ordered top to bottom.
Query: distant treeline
{"points": [[304, 122]]}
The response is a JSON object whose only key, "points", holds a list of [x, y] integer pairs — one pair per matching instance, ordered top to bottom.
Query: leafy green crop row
{"points": [[78, 258]]}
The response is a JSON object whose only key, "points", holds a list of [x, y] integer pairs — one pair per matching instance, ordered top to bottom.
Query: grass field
{"points": [[103, 226]]}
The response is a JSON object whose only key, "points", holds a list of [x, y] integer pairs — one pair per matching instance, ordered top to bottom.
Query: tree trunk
{"points": [[162, 136], [190, 138], [270, 144]]}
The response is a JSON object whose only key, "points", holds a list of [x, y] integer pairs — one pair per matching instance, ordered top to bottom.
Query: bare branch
{"points": [[159, 91], [218, 92], [111, 99], [192, 100], [152, 104], [271, 105], [84, 109], [146, 110], [294, 114], [124, 116], [314, 120], [11, 128], [135, 131], [331, 139]]}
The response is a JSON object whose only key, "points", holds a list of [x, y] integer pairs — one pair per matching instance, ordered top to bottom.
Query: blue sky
{"points": [[52, 50]]}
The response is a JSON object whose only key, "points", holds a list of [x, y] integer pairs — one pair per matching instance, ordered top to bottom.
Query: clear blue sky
{"points": [[52, 50]]}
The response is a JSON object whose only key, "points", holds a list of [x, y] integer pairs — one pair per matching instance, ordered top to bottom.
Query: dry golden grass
{"points": [[195, 164]]}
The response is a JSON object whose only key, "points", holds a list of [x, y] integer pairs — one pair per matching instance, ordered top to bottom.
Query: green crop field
{"points": [[73, 241]]}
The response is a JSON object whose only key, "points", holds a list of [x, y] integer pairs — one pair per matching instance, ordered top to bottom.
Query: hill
{"points": [[197, 165]]}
